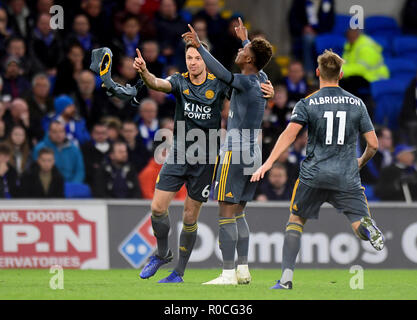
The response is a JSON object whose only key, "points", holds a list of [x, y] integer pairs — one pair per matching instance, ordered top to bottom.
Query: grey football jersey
{"points": [[197, 107], [247, 107], [334, 118]]}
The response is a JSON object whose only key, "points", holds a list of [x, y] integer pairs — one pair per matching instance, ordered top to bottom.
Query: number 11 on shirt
{"points": [[329, 115]]}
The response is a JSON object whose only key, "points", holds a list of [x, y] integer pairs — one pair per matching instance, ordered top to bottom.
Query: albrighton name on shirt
{"points": [[334, 100]]}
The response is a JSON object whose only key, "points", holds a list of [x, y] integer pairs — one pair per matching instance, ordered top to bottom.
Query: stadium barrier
{"points": [[95, 234]]}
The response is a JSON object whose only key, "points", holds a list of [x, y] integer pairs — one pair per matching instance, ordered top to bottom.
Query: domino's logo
{"points": [[139, 245]]}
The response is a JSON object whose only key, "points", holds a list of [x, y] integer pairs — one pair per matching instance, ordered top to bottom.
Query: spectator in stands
{"points": [[43, 6], [133, 8], [408, 15], [19, 17], [308, 18], [98, 20], [216, 25], [169, 27], [5, 33], [82, 35], [130, 39], [231, 44], [46, 45], [17, 47], [150, 53], [363, 59], [69, 70], [127, 74], [295, 82], [15, 84], [39, 101], [165, 102], [93, 104], [281, 108], [66, 113], [18, 114], [408, 115], [148, 122], [114, 128], [3, 134], [298, 149], [95, 151], [138, 154], [20, 157], [68, 157], [382, 159], [293, 170], [8, 175], [398, 177], [117, 178], [42, 179], [276, 186]]}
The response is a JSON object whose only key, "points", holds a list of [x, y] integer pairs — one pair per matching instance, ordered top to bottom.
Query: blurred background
{"points": [[62, 137]]}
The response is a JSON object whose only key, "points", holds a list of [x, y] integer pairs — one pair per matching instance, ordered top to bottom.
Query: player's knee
{"points": [[158, 209]]}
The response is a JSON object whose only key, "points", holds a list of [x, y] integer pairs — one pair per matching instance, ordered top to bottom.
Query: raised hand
{"points": [[241, 31], [191, 37], [139, 64]]}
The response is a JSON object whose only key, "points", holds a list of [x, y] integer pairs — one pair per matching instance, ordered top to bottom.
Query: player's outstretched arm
{"points": [[212, 64], [150, 80], [283, 143], [371, 148]]}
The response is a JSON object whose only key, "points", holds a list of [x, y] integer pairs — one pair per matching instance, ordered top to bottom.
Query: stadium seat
{"points": [[341, 24], [382, 25], [330, 41], [385, 43], [405, 47], [400, 69], [388, 96], [77, 191], [370, 194]]}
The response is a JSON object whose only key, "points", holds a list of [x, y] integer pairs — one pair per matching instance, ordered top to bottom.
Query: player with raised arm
{"points": [[200, 97], [240, 154], [330, 171]]}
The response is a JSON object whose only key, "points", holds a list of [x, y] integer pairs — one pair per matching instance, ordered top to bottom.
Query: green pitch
{"points": [[124, 284]]}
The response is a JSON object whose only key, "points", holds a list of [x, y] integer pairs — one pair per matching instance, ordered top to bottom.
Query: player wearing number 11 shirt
{"points": [[330, 172]]}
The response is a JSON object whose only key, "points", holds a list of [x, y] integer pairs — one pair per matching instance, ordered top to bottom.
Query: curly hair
{"points": [[262, 51]]}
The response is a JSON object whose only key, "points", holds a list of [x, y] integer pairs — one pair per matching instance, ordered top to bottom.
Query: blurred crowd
{"points": [[61, 136]]}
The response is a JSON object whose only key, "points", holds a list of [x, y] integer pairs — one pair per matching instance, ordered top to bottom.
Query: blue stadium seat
{"points": [[341, 24], [382, 25], [330, 41], [406, 47], [401, 69], [388, 96], [77, 191], [370, 194]]}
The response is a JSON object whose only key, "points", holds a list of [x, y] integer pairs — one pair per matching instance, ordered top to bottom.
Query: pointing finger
{"points": [[191, 28]]}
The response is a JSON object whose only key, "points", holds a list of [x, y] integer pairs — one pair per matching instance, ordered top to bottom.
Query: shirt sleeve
{"points": [[174, 80], [300, 114], [365, 124]]}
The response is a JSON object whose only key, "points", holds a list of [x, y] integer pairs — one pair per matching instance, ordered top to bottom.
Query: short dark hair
{"points": [[190, 45], [262, 50], [115, 143], [5, 149], [45, 151]]}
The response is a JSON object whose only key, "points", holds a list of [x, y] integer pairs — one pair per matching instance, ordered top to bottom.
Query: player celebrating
{"points": [[199, 96], [330, 172], [233, 188]]}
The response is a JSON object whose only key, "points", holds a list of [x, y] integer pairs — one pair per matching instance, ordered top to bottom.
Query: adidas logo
{"points": [[187, 92], [229, 195], [295, 208]]}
